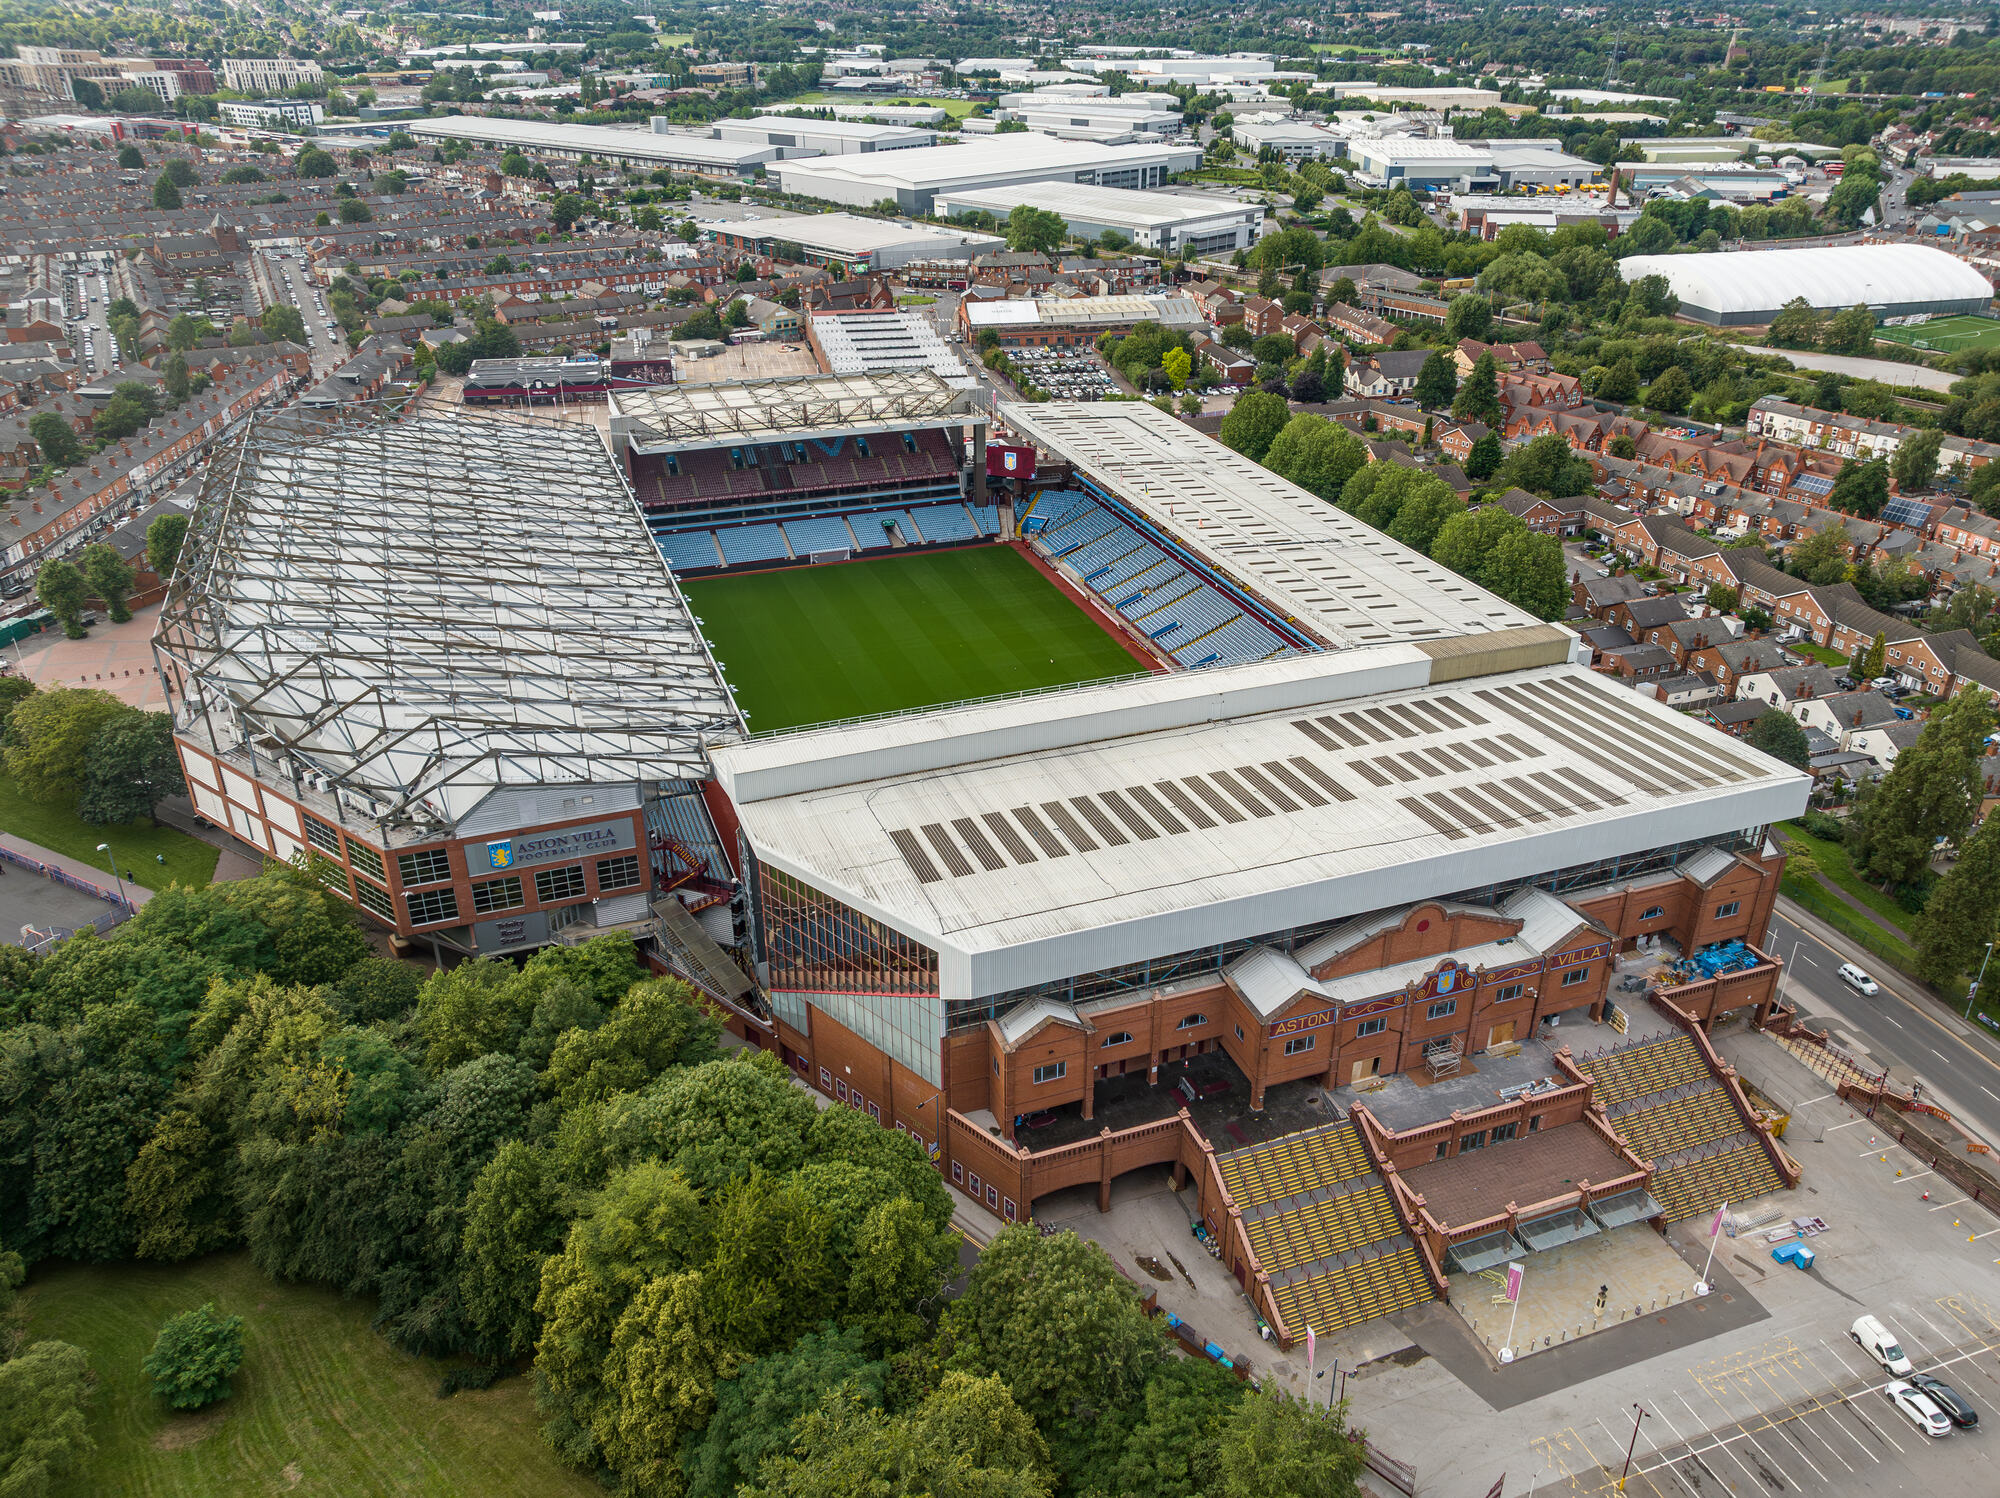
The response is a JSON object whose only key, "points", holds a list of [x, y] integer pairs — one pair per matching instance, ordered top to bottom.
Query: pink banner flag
{"points": [[1715, 1227], [1514, 1273], [1312, 1351]]}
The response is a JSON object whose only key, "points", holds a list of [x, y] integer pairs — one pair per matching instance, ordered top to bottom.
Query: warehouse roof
{"points": [[598, 140], [932, 168], [1080, 200], [1873, 275]]}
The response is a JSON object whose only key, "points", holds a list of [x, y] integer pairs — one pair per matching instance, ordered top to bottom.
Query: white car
{"points": [[1859, 980], [1919, 1409]]}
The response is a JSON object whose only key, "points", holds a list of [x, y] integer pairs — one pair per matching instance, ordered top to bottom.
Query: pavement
{"points": [[1888, 372], [114, 658]]}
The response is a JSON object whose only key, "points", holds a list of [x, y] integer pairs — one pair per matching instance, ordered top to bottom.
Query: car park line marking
{"points": [[1820, 1099], [1848, 1125], [1916, 1177], [1961, 1201], [1977, 1236], [1791, 1414], [1863, 1416], [1584, 1444], [1717, 1444], [1672, 1468]]}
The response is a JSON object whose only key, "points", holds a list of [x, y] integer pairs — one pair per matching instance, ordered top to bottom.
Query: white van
{"points": [[1875, 1340]]}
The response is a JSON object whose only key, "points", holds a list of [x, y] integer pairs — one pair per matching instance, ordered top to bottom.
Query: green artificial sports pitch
{"points": [[1965, 330], [809, 645]]}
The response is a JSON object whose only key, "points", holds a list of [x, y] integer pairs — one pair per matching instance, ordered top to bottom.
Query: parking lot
{"points": [[1067, 374]]}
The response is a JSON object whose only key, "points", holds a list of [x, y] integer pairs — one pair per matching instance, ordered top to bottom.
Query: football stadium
{"points": [[1088, 802]]}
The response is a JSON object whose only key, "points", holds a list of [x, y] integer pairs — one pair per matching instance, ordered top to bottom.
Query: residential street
{"points": [[1958, 1063]]}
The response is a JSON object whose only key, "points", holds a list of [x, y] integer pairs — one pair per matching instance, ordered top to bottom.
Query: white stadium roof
{"points": [[1739, 286], [1343, 581], [427, 610], [1200, 808]]}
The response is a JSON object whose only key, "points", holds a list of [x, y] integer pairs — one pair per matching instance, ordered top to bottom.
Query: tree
{"points": [[88, 94], [130, 160], [315, 162], [180, 171], [166, 196], [567, 208], [354, 211], [1035, 230], [1341, 290], [1469, 316], [283, 321], [1797, 325], [1849, 332], [1177, 364], [175, 378], [1437, 381], [1620, 383], [1671, 391], [1479, 393], [1254, 422], [55, 438], [1315, 454], [1485, 458], [1915, 463], [1547, 465], [1862, 488], [163, 543], [1499, 552], [1821, 558], [110, 578], [60, 589], [1722, 598], [1874, 657], [1779, 735], [48, 736], [130, 767], [1932, 791], [1963, 911], [1052, 1319], [194, 1357], [756, 1411], [44, 1426], [969, 1440], [1275, 1446]]}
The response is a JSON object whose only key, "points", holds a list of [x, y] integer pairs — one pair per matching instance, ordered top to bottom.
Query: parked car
{"points": [[1861, 983], [1875, 1339], [1946, 1398], [1916, 1407]]}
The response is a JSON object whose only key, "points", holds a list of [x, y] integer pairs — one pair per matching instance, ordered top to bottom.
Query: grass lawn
{"points": [[958, 109], [1961, 332], [811, 644], [1820, 653], [139, 845], [322, 1408]]}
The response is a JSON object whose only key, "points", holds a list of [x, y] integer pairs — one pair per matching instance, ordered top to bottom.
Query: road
{"points": [[288, 271], [88, 295], [1957, 1063]]}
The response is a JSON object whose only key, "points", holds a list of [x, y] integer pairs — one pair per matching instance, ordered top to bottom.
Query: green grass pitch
{"points": [[1963, 331], [813, 644]]}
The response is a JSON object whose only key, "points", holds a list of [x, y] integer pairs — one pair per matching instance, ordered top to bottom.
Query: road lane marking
{"points": [[1893, 1020], [1941, 1055]]}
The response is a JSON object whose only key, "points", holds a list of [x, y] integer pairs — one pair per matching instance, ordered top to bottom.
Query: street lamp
{"points": [[106, 849], [1973, 992], [1638, 1414]]}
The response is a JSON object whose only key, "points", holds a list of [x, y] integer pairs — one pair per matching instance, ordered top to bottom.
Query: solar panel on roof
{"points": [[1813, 483], [1906, 512]]}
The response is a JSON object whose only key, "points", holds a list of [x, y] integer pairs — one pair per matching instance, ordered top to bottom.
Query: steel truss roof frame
{"points": [[765, 410], [425, 610]]}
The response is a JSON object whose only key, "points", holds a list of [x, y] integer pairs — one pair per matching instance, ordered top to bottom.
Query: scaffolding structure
{"points": [[665, 418], [406, 615]]}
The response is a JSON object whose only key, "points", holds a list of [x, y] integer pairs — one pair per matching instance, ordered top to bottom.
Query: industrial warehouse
{"points": [[913, 179], [1737, 289], [1316, 822]]}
